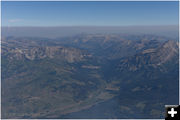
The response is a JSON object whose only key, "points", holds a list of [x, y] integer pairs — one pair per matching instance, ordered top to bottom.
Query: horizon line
{"points": [[97, 26]]}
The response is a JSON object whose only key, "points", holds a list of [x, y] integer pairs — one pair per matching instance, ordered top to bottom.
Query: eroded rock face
{"points": [[168, 51], [69, 54], [155, 57]]}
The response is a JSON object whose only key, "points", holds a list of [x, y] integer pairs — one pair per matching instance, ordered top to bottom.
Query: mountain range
{"points": [[114, 76]]}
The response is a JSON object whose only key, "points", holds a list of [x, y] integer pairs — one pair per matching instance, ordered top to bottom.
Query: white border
{"points": [[86, 1]]}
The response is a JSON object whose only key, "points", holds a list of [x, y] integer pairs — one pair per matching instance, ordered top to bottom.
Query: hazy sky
{"points": [[89, 13]]}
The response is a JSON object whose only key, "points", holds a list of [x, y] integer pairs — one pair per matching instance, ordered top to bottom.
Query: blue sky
{"points": [[89, 13]]}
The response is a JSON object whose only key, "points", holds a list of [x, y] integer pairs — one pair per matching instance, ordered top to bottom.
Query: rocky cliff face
{"points": [[36, 53], [153, 57]]}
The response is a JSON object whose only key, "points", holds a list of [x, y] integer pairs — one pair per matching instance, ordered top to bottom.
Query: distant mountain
{"points": [[62, 31], [38, 53], [154, 57], [89, 76]]}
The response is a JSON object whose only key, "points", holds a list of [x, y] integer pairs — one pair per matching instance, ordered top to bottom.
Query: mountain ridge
{"points": [[73, 76]]}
